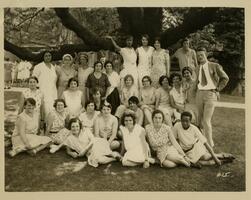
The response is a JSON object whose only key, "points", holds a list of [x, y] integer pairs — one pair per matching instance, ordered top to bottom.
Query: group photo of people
{"points": [[132, 94], [141, 116]]}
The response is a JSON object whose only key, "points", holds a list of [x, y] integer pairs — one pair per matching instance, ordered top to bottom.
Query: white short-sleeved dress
{"points": [[47, 78], [73, 100], [31, 130], [191, 141], [133, 144]]}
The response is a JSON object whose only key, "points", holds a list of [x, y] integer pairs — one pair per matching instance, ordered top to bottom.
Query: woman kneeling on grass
{"points": [[25, 136], [162, 141], [80, 142], [195, 145], [134, 147]]}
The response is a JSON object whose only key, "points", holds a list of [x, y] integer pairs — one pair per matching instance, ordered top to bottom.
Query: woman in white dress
{"points": [[144, 54], [129, 59], [160, 63], [47, 77], [74, 98], [88, 117], [24, 137], [135, 150]]}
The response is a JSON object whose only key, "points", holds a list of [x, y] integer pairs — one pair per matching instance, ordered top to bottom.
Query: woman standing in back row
{"points": [[144, 54], [64, 73], [47, 78]]}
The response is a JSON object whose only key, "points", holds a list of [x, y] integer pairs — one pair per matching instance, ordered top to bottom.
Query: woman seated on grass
{"points": [[129, 89], [147, 98], [88, 117], [57, 119], [106, 126], [25, 136], [162, 141], [80, 142], [195, 145], [135, 149]]}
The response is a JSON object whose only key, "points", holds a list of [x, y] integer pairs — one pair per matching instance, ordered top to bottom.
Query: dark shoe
{"points": [[226, 156], [226, 160], [196, 165]]}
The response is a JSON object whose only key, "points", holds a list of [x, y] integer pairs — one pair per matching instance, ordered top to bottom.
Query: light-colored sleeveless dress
{"points": [[144, 65], [73, 102], [31, 130]]}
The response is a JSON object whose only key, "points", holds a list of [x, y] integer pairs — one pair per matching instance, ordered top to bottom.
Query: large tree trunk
{"points": [[138, 21]]}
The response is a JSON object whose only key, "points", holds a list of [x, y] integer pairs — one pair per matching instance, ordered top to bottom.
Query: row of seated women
{"points": [[102, 140]]}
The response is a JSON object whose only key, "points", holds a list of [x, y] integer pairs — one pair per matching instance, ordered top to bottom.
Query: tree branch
{"points": [[194, 20], [82, 32], [57, 54]]}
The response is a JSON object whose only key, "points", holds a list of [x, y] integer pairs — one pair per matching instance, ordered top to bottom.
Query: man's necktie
{"points": [[203, 77]]}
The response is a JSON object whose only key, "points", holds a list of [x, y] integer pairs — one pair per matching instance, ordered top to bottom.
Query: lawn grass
{"points": [[231, 98], [26, 173]]}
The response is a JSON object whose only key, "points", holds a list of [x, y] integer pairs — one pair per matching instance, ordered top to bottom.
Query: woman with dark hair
{"points": [[144, 54], [129, 58], [160, 63], [83, 71], [64, 73], [47, 77], [98, 79], [189, 86], [127, 91], [113, 93], [36, 94], [177, 95], [96, 97], [74, 98], [147, 98], [163, 99], [88, 117], [57, 119], [106, 126], [24, 137], [162, 141], [135, 150]]}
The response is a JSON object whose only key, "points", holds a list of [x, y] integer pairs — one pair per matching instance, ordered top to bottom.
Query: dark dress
{"points": [[102, 83]]}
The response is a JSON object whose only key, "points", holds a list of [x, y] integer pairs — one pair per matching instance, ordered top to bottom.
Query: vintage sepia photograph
{"points": [[124, 99]]}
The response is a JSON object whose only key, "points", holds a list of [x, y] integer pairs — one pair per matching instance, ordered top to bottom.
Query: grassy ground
{"points": [[231, 98], [26, 173]]}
